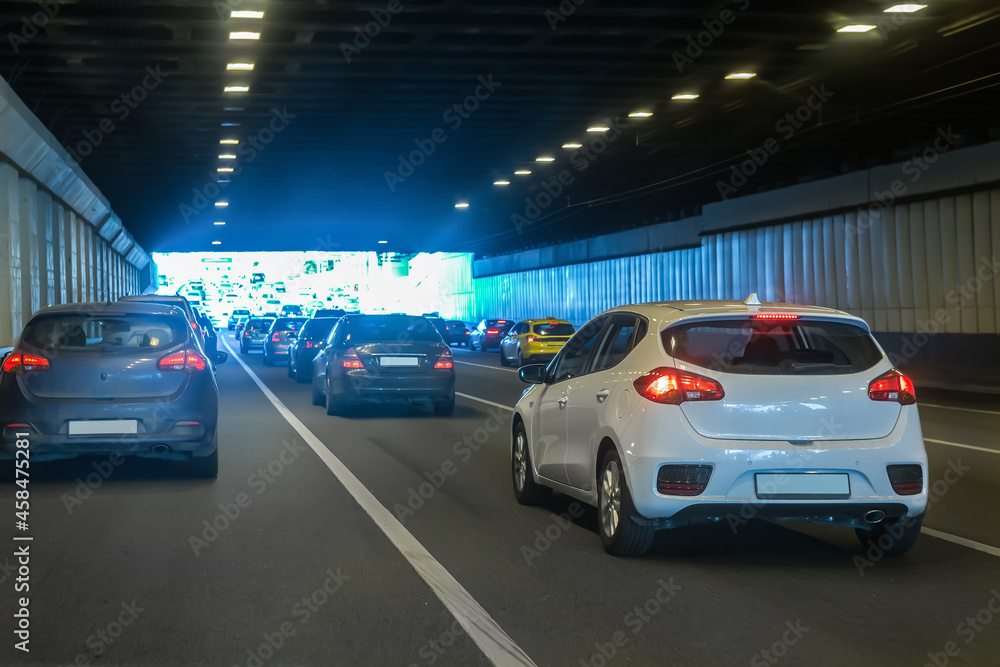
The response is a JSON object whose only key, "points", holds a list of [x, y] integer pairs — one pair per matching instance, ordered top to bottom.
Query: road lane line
{"points": [[492, 368], [483, 400], [951, 407], [959, 444], [963, 541], [480, 626]]}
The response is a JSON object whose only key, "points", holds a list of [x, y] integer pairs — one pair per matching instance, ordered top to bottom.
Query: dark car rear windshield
{"points": [[289, 323], [259, 325], [390, 328], [317, 329], [554, 329], [104, 333], [763, 347]]}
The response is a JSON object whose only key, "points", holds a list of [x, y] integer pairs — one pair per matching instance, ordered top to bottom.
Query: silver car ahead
{"points": [[125, 378]]}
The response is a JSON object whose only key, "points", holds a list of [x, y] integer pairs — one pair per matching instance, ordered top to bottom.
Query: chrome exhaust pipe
{"points": [[160, 449], [874, 516]]}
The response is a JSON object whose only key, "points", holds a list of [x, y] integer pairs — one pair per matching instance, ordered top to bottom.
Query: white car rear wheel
{"points": [[621, 534]]}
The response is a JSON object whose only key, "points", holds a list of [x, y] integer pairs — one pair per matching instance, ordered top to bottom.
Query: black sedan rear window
{"points": [[289, 323], [258, 325], [390, 328], [317, 329], [104, 333], [773, 347]]}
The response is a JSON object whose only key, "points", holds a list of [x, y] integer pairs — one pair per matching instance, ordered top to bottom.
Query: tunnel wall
{"points": [[60, 242]]}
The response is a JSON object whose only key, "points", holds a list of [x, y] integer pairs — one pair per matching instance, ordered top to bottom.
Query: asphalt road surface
{"points": [[392, 538]]}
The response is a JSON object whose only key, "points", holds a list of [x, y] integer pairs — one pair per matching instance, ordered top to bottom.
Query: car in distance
{"points": [[291, 310], [329, 312], [235, 316], [242, 322], [457, 332], [255, 333], [488, 334], [279, 336], [534, 341], [305, 345], [384, 358], [128, 378], [676, 413]]}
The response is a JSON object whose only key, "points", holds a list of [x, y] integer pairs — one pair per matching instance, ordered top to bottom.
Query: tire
{"points": [[472, 346], [243, 348], [503, 358], [520, 358], [267, 360], [291, 371], [301, 378], [318, 398], [335, 405], [445, 408], [206, 467], [526, 489], [620, 533], [901, 534]]}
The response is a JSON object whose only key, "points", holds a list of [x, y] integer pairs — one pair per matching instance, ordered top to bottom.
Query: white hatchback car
{"points": [[674, 413]]}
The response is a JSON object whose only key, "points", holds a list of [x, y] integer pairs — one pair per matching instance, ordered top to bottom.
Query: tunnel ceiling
{"points": [[330, 110]]}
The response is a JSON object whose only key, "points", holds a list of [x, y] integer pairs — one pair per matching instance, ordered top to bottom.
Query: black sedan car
{"points": [[234, 318], [255, 333], [457, 333], [489, 333], [279, 336], [304, 346], [384, 358], [125, 378]]}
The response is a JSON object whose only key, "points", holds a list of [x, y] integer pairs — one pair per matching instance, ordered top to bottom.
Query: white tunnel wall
{"points": [[898, 267]]}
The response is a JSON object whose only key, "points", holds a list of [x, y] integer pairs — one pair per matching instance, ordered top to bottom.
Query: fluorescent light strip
{"points": [[245, 14], [860, 27], [244, 35], [240, 67], [741, 75], [236, 89], [685, 96], [232, 142]]}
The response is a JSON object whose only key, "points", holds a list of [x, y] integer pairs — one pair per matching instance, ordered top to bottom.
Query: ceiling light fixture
{"points": [[903, 9], [245, 14], [859, 27], [244, 35], [239, 67], [741, 76], [236, 89], [685, 96], [232, 108], [640, 114], [598, 128], [231, 142], [572, 144], [227, 156], [545, 158], [225, 170], [522, 172], [501, 182], [222, 204], [462, 204], [219, 224], [383, 241], [216, 242]]}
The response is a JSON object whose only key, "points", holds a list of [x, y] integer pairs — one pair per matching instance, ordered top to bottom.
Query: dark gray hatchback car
{"points": [[125, 378]]}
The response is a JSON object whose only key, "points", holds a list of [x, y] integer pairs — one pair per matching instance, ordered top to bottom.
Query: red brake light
{"points": [[775, 316], [194, 325], [492, 331], [275, 337], [531, 339], [308, 345], [349, 359], [445, 360], [188, 361], [19, 362], [892, 386], [673, 387]]}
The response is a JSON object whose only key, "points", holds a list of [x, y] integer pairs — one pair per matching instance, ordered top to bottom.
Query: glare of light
{"points": [[904, 9], [245, 14], [859, 27], [244, 35], [242, 67], [741, 75], [236, 89], [685, 96], [232, 108], [640, 114], [230, 124], [598, 128], [230, 142], [572, 144], [227, 156], [545, 158], [225, 170], [522, 172], [223, 180], [501, 182], [222, 204], [462, 204], [219, 224], [383, 241], [216, 242]]}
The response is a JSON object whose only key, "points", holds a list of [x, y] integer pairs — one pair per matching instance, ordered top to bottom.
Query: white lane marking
{"points": [[493, 368], [483, 400], [951, 407], [959, 444], [963, 541], [480, 626]]}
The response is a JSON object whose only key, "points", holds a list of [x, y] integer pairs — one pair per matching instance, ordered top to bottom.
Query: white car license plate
{"points": [[398, 361], [104, 427], [803, 486]]}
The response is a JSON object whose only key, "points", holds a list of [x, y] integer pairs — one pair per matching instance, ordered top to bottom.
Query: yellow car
{"points": [[534, 341]]}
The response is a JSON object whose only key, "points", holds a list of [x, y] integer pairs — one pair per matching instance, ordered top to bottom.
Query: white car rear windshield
{"points": [[105, 333], [766, 347]]}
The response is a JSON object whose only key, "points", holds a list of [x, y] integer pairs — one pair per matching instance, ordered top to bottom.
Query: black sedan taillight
{"points": [[683, 480], [906, 480]]}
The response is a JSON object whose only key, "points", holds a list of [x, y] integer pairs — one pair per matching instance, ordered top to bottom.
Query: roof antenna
{"points": [[752, 300]]}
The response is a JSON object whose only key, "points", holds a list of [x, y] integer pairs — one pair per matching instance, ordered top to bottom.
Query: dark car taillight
{"points": [[275, 338], [350, 359], [445, 360], [188, 361], [19, 362], [673, 386], [892, 386], [682, 480], [906, 480]]}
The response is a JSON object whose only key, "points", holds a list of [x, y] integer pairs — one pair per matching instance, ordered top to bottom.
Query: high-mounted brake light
{"points": [[775, 316], [350, 359], [445, 360], [188, 361], [19, 362], [673, 386], [892, 386]]}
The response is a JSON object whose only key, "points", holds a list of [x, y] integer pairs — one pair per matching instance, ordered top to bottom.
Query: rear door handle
{"points": [[602, 394], [562, 401]]}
